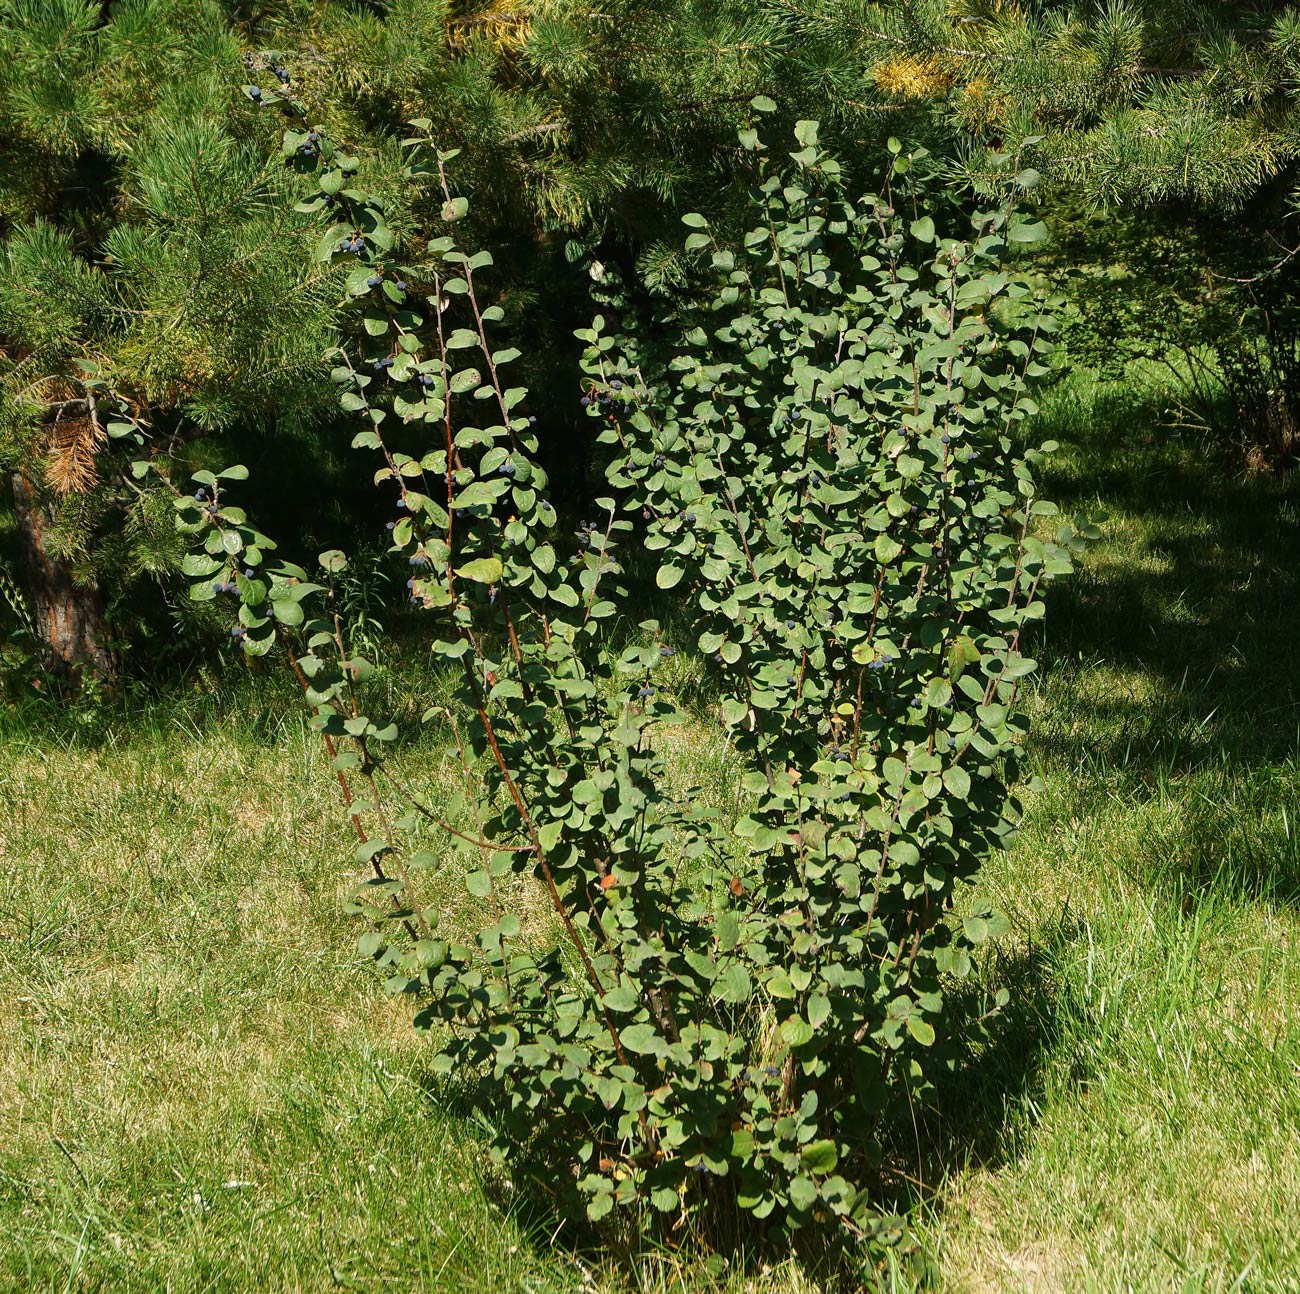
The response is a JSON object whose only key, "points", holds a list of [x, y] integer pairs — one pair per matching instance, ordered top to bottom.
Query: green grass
{"points": [[203, 1089]]}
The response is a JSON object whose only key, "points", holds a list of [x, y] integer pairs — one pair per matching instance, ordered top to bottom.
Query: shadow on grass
{"points": [[1195, 593], [1173, 655], [980, 1108], [978, 1112], [721, 1244]]}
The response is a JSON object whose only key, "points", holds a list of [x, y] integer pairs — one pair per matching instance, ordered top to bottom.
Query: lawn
{"points": [[204, 1088]]}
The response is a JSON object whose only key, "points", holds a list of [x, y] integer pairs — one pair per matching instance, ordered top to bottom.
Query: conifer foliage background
{"points": [[1137, 101], [1167, 135], [149, 240], [149, 249], [149, 253]]}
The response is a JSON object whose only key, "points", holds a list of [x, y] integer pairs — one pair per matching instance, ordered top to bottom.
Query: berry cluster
{"points": [[602, 399]]}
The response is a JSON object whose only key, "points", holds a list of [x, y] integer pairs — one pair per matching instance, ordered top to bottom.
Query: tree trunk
{"points": [[69, 616]]}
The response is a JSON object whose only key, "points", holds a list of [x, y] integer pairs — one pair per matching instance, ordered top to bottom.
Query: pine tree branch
{"points": [[746, 48], [957, 51], [877, 107], [531, 132]]}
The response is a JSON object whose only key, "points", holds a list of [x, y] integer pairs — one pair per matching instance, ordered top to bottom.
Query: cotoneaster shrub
{"points": [[829, 472], [706, 1012]]}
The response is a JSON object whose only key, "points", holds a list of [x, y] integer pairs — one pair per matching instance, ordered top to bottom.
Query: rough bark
{"points": [[69, 616]]}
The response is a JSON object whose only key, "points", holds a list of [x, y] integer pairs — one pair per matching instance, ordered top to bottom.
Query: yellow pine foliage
{"points": [[980, 11], [506, 24], [911, 76], [979, 104], [70, 460]]}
